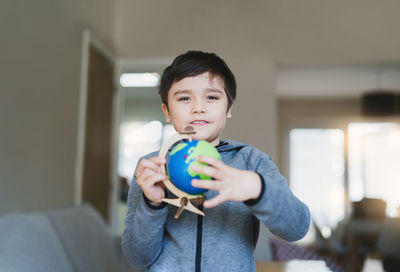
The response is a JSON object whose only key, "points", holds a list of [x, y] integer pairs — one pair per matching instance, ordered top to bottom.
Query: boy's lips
{"points": [[199, 122]]}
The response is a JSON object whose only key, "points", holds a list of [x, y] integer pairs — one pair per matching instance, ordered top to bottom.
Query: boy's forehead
{"points": [[214, 81]]}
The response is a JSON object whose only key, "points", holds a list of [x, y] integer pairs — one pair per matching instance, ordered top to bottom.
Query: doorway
{"points": [[141, 126], [94, 163]]}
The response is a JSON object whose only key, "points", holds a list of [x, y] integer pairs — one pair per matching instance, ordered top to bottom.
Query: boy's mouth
{"points": [[199, 122]]}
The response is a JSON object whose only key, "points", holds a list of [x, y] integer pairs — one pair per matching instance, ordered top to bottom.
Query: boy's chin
{"points": [[202, 135], [199, 138], [210, 140]]}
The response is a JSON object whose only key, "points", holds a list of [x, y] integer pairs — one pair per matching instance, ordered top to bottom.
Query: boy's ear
{"points": [[166, 112], [229, 113]]}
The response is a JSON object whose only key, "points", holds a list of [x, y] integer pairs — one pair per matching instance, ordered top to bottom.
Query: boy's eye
{"points": [[212, 97], [185, 98]]}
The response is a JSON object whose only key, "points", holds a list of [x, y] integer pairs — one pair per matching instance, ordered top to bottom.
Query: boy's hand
{"points": [[149, 176], [232, 184]]}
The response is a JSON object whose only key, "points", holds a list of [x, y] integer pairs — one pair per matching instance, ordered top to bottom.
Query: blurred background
{"points": [[318, 90]]}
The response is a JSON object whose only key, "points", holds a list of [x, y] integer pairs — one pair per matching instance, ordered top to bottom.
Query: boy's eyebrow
{"points": [[215, 90], [178, 92], [181, 92]]}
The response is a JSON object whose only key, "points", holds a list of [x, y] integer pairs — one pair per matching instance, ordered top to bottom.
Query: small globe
{"points": [[182, 157]]}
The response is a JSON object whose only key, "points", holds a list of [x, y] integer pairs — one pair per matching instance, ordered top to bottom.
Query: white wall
{"points": [[40, 52], [143, 110]]}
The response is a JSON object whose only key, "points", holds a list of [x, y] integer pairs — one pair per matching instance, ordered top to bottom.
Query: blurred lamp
{"points": [[139, 79], [380, 103]]}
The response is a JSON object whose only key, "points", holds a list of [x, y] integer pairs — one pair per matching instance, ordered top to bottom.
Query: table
{"points": [[270, 266], [292, 266]]}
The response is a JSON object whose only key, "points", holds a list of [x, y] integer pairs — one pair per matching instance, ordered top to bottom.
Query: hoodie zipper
{"points": [[199, 240]]}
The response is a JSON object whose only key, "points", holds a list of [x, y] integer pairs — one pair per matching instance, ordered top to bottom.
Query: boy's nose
{"points": [[198, 108]]}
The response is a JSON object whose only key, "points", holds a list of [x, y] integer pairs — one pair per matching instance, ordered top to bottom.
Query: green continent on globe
{"points": [[177, 148], [202, 148]]}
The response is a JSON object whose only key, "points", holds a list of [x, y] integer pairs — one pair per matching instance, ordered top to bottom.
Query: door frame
{"points": [[88, 40]]}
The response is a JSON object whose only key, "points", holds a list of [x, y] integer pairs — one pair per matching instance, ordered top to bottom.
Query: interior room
{"points": [[318, 90]]}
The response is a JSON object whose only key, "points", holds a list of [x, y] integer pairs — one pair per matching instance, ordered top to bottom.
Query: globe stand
{"points": [[183, 200]]}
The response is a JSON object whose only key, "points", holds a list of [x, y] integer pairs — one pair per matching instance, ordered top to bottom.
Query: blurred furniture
{"points": [[124, 189], [371, 208], [362, 230], [361, 237], [72, 239], [389, 244], [332, 247], [286, 252]]}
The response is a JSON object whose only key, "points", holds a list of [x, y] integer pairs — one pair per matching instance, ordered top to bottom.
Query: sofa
{"points": [[69, 239]]}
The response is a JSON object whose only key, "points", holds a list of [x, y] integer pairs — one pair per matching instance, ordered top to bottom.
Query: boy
{"points": [[198, 90]]}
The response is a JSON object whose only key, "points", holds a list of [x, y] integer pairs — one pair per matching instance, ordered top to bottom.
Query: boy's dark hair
{"points": [[194, 63]]}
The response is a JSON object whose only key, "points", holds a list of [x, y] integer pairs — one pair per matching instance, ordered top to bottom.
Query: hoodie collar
{"points": [[227, 145]]}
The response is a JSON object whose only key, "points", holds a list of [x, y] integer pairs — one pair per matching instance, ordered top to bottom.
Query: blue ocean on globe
{"points": [[181, 157]]}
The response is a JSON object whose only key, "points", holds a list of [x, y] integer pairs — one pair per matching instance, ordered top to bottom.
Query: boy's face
{"points": [[200, 102]]}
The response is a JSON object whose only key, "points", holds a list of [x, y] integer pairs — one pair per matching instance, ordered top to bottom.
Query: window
{"points": [[137, 140], [374, 161], [317, 167], [317, 173]]}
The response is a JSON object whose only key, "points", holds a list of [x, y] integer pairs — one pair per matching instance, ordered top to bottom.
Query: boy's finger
{"points": [[158, 160], [211, 161], [148, 163], [143, 165], [139, 169], [206, 170], [145, 174], [156, 178], [150, 180], [206, 184], [214, 202]]}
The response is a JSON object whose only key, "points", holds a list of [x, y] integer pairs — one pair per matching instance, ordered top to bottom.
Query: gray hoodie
{"points": [[222, 240]]}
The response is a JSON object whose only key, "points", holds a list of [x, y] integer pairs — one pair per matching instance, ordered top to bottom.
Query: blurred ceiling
{"points": [[301, 32], [320, 48], [336, 81]]}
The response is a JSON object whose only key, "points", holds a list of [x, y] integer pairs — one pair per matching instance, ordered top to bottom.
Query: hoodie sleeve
{"points": [[277, 207], [144, 229]]}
